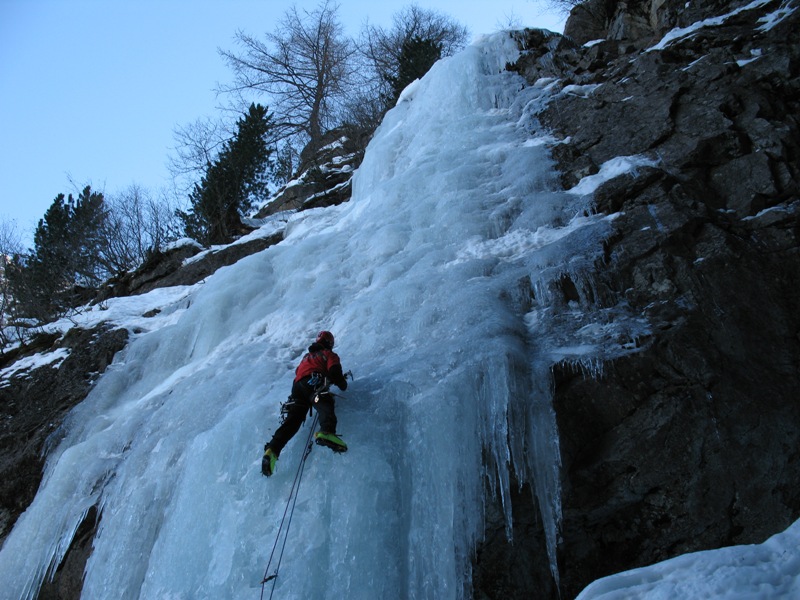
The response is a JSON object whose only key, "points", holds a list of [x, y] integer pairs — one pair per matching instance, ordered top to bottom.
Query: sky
{"points": [[91, 91]]}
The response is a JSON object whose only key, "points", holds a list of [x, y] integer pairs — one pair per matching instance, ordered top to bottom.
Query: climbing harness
{"points": [[320, 385], [289, 511]]}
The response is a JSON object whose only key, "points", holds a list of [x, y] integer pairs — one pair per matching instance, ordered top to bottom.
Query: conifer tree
{"points": [[238, 175], [65, 257]]}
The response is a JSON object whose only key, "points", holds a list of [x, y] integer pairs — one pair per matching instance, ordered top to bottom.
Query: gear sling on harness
{"points": [[320, 385], [294, 412]]}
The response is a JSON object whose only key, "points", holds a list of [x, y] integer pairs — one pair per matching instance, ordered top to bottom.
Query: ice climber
{"points": [[319, 368]]}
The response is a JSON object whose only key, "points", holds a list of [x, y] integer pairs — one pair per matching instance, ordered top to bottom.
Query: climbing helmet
{"points": [[326, 339]]}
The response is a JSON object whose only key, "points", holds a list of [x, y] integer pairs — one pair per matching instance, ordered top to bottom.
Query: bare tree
{"points": [[305, 67], [196, 146], [135, 225], [10, 238], [10, 245]]}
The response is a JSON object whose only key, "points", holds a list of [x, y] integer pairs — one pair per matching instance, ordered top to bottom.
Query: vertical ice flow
{"points": [[438, 279]]}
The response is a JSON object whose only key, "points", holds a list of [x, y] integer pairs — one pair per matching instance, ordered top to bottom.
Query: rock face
{"points": [[325, 175], [172, 267], [34, 401], [692, 443]]}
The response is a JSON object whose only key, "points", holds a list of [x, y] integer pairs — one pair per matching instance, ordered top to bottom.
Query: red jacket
{"points": [[321, 360]]}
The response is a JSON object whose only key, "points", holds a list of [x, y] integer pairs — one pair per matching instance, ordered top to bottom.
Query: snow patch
{"points": [[777, 16], [679, 33], [582, 91], [408, 93], [610, 169], [182, 243], [29, 363], [768, 570]]}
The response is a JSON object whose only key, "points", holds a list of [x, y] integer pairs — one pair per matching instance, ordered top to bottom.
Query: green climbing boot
{"points": [[331, 440], [269, 464]]}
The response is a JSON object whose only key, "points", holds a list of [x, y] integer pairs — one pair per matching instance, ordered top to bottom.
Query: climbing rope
{"points": [[290, 504]]}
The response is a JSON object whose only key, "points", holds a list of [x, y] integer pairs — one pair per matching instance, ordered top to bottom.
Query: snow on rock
{"points": [[774, 18], [680, 33], [583, 91], [615, 167], [181, 243], [163, 305], [29, 363], [768, 570]]}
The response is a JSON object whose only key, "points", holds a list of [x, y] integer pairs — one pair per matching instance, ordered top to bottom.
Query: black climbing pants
{"points": [[302, 399]]}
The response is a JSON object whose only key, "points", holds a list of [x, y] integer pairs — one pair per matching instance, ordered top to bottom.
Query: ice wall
{"points": [[439, 279]]}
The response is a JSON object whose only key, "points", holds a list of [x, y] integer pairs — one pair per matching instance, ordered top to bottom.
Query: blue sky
{"points": [[92, 90]]}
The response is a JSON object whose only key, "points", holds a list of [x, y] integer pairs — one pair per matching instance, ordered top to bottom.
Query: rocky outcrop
{"points": [[324, 175], [323, 180], [173, 266], [693, 442]]}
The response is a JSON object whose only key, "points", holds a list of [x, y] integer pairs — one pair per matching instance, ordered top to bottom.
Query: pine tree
{"points": [[231, 183], [65, 257]]}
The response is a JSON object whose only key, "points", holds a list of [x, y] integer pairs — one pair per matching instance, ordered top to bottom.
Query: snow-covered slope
{"points": [[437, 280], [768, 570]]}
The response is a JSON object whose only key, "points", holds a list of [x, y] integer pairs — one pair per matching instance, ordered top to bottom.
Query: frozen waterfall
{"points": [[439, 280]]}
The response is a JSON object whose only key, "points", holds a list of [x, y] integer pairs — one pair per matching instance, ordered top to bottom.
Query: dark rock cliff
{"points": [[173, 267], [33, 402], [694, 442]]}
